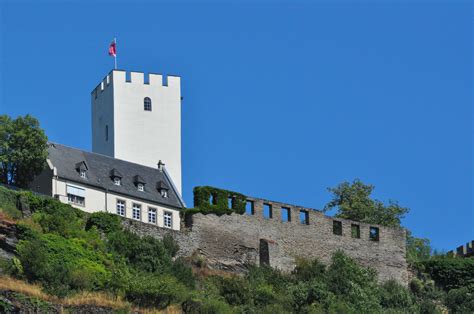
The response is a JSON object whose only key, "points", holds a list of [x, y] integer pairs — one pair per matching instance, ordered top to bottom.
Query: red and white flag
{"points": [[113, 48]]}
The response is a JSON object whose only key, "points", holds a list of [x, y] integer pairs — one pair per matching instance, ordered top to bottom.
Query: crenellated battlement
{"points": [[136, 78], [464, 250]]}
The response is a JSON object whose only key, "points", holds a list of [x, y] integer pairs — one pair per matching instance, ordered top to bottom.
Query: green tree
{"points": [[22, 150], [353, 201], [418, 249]]}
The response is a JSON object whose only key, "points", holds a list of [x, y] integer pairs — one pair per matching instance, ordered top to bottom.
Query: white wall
{"points": [[103, 114], [140, 136], [95, 201]]}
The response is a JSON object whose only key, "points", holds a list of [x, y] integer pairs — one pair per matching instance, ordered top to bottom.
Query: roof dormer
{"points": [[81, 168], [116, 176], [139, 183], [162, 188]]}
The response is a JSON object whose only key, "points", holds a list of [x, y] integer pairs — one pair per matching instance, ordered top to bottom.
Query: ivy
{"points": [[211, 200]]}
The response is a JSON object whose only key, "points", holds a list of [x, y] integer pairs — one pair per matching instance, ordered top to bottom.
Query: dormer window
{"points": [[81, 167], [116, 176], [139, 183], [162, 188]]}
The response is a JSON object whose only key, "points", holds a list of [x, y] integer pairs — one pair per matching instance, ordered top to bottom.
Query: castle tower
{"points": [[139, 120]]}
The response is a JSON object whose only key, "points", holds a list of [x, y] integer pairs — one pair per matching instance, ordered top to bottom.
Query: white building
{"points": [[138, 119], [94, 182]]}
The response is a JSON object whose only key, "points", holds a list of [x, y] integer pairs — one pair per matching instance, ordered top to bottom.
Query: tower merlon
{"points": [[142, 78]]}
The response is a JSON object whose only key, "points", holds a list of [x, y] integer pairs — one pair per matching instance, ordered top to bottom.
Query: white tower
{"points": [[139, 120]]}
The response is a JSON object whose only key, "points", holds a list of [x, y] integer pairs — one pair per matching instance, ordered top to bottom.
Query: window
{"points": [[147, 104], [106, 133], [83, 174], [117, 181], [140, 187], [164, 193], [76, 196], [121, 208], [249, 209], [136, 211], [267, 211], [285, 214], [152, 215], [304, 217], [168, 219], [337, 227], [355, 231], [374, 234]]}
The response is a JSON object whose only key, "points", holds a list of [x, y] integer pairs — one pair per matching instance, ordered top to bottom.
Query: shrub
{"points": [[8, 203], [105, 222], [63, 265], [451, 272], [352, 283], [155, 290], [395, 296], [461, 300]]}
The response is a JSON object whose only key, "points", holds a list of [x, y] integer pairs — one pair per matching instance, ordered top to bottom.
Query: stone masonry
{"points": [[233, 242]]}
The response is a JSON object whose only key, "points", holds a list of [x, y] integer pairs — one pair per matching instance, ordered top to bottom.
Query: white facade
{"points": [[123, 129], [97, 200]]}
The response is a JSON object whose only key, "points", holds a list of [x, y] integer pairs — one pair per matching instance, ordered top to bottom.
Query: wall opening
{"points": [[128, 77], [212, 199], [229, 202], [249, 208], [267, 211], [285, 214], [304, 217], [337, 227], [355, 231], [374, 234], [264, 253]]}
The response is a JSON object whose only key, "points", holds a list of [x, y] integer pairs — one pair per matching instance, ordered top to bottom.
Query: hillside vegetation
{"points": [[68, 255]]}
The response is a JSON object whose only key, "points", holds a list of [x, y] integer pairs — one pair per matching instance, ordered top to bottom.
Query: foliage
{"points": [[23, 152], [210, 200], [353, 201], [8, 203], [104, 222], [418, 249], [68, 251], [451, 272], [461, 300]]}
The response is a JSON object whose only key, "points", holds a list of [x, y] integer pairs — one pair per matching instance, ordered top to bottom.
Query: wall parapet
{"points": [[464, 250]]}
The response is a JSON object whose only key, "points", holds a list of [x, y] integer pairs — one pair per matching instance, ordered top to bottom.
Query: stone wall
{"points": [[232, 242]]}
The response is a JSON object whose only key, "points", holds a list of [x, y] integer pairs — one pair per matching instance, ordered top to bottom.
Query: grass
{"points": [[85, 298]]}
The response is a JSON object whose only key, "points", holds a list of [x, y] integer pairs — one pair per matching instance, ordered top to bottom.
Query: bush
{"points": [[8, 203], [105, 222], [64, 265], [451, 272], [352, 283], [155, 290], [395, 296], [461, 300]]}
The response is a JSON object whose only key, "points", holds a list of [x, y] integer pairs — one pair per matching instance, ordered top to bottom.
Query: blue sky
{"points": [[281, 99]]}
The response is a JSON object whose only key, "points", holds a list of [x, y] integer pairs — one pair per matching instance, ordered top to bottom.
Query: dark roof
{"points": [[81, 166], [101, 168], [114, 173], [138, 179], [162, 186]]}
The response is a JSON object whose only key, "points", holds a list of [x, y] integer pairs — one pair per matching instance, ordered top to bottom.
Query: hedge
{"points": [[211, 200]]}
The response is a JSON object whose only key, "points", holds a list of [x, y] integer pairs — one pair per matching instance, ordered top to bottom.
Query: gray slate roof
{"points": [[66, 159]]}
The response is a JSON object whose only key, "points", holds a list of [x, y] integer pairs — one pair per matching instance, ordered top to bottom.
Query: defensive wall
{"points": [[233, 242], [464, 250]]}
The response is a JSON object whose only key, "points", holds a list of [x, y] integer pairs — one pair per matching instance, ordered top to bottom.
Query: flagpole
{"points": [[115, 41]]}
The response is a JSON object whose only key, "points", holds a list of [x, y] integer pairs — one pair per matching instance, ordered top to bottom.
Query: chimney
{"points": [[160, 165]]}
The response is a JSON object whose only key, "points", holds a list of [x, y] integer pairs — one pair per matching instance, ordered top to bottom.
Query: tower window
{"points": [[147, 104], [106, 133]]}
